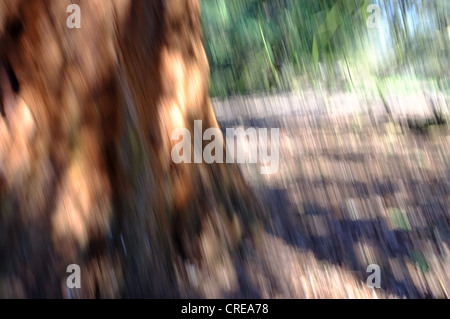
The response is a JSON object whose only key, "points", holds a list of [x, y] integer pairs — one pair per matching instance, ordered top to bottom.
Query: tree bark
{"points": [[85, 152]]}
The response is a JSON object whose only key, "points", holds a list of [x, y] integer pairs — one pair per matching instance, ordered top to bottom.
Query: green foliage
{"points": [[262, 45]]}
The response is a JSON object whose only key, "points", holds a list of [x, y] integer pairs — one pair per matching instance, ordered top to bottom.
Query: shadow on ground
{"points": [[364, 196]]}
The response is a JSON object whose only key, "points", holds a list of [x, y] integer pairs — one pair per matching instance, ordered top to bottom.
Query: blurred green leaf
{"points": [[399, 219], [418, 258]]}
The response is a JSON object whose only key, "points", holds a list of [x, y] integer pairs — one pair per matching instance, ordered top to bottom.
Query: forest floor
{"points": [[352, 189]]}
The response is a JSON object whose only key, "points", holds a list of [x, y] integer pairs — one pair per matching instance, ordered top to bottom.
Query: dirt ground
{"points": [[353, 189]]}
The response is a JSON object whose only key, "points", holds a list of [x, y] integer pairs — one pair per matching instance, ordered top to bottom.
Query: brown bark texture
{"points": [[86, 175]]}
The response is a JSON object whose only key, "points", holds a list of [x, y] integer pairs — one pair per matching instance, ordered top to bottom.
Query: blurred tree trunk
{"points": [[85, 152]]}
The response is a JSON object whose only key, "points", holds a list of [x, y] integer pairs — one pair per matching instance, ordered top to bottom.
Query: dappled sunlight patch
{"points": [[83, 207], [279, 270]]}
